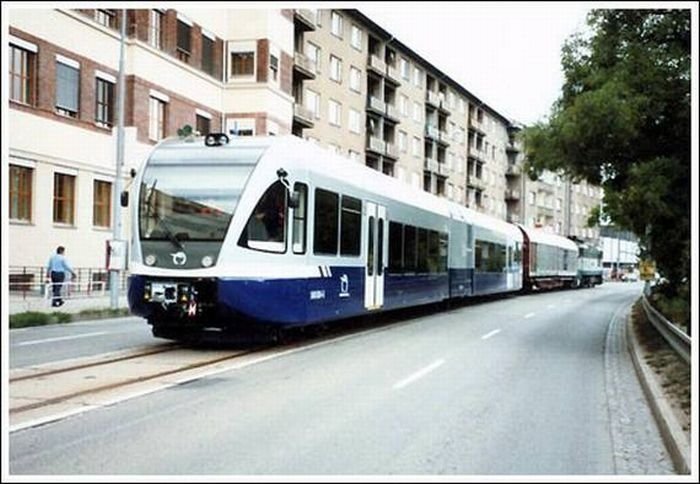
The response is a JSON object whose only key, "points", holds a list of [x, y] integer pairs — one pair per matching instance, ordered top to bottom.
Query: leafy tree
{"points": [[623, 122]]}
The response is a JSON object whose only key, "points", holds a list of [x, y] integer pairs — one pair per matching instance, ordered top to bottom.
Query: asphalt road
{"points": [[528, 385]]}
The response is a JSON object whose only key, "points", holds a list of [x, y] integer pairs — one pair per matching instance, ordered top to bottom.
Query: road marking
{"points": [[550, 306], [529, 315], [492, 333], [62, 338], [419, 374]]}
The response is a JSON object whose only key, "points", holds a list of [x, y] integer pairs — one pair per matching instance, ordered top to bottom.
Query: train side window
{"points": [[299, 220], [326, 223], [350, 226], [266, 229], [444, 244], [370, 247], [380, 247], [395, 247], [422, 250], [478, 256], [409, 264]]}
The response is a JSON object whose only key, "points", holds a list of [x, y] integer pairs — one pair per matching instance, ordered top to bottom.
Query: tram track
{"points": [[49, 393]]}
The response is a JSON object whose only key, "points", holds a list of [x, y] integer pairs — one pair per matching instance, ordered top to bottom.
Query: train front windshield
{"points": [[184, 197]]}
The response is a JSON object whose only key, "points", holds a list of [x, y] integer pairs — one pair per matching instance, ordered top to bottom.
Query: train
{"points": [[230, 234]]}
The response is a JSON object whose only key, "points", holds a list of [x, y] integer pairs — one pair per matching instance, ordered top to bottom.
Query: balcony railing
{"points": [[305, 18], [377, 64], [304, 65], [392, 74], [432, 98], [376, 104], [392, 112], [303, 115], [432, 132], [377, 145], [391, 150], [431, 164], [513, 170], [512, 195]]}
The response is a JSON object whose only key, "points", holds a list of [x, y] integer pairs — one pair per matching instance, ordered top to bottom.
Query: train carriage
{"points": [[282, 232], [550, 260]]}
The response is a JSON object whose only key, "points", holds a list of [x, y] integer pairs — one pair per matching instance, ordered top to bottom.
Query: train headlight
{"points": [[150, 259], [207, 261]]}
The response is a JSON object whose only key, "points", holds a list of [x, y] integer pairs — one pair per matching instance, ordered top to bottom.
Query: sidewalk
{"points": [[20, 305]]}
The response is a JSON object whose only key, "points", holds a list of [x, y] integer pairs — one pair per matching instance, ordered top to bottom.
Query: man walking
{"points": [[56, 270]]}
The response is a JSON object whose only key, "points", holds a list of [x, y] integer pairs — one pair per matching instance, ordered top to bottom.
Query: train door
{"points": [[376, 254]]}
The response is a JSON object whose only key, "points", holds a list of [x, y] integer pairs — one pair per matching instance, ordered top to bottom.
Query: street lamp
{"points": [[116, 210]]}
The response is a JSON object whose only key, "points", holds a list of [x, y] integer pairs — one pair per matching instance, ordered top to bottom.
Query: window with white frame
{"points": [[337, 24], [155, 29], [356, 37], [313, 52], [22, 64], [242, 64], [274, 67], [336, 67], [405, 68], [417, 77], [355, 79], [67, 87], [312, 99], [403, 105], [334, 112], [417, 112], [156, 119], [354, 121], [403, 141], [416, 146], [20, 190], [532, 198]]}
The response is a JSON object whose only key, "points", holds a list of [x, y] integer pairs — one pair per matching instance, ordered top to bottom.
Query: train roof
{"points": [[306, 155], [541, 237]]}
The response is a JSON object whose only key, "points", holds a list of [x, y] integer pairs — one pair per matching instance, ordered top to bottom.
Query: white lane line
{"points": [[550, 306], [529, 315], [492, 333], [62, 338], [419, 374]]}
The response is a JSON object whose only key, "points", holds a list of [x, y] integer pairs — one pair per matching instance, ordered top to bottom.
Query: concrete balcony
{"points": [[305, 19], [377, 65], [304, 66], [392, 75], [432, 98], [376, 105], [392, 113], [303, 116], [432, 132], [443, 138], [376, 145], [512, 149], [391, 150], [431, 164], [444, 170], [513, 170], [512, 195], [513, 218]]}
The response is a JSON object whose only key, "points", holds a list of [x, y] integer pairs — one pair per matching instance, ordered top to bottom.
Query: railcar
{"points": [[278, 232], [549, 261], [589, 271]]}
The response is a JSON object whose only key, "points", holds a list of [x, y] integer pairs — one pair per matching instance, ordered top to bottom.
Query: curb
{"points": [[672, 434]]}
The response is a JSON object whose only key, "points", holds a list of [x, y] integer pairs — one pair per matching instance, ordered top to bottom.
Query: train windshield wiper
{"points": [[151, 213]]}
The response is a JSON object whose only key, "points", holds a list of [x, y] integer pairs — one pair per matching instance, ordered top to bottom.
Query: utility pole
{"points": [[116, 197]]}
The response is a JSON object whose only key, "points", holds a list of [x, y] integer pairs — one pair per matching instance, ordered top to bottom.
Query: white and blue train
{"points": [[278, 232]]}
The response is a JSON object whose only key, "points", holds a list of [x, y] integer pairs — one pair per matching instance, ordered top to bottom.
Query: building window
{"points": [[108, 18], [337, 24], [155, 29], [356, 37], [184, 47], [313, 52], [207, 55], [242, 64], [274, 67], [336, 69], [405, 69], [22, 75], [417, 77], [355, 79], [67, 89], [104, 103], [313, 103], [334, 112], [156, 119], [354, 121], [203, 125], [21, 193], [63, 198], [102, 203]]}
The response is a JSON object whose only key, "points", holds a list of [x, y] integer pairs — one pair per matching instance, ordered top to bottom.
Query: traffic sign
{"points": [[647, 270]]}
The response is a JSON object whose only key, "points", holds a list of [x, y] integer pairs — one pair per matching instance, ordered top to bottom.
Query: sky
{"points": [[508, 54]]}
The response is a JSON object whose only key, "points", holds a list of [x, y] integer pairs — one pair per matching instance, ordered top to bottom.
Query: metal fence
{"points": [[31, 282], [675, 337]]}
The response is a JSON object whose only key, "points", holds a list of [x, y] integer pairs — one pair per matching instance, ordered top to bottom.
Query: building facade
{"points": [[331, 76]]}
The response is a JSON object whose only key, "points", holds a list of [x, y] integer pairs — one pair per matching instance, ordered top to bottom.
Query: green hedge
{"points": [[37, 318]]}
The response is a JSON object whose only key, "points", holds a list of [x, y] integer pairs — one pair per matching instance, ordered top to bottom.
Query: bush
{"points": [[673, 304], [35, 318]]}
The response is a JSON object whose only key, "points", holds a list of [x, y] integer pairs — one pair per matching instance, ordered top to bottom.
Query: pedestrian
{"points": [[56, 272]]}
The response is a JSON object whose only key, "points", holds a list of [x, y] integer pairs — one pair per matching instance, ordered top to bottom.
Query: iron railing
{"points": [[31, 281], [673, 335]]}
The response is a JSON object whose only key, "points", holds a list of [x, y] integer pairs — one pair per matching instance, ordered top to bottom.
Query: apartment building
{"points": [[331, 76]]}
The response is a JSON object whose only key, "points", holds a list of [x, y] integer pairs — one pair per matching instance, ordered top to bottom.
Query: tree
{"points": [[623, 122]]}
